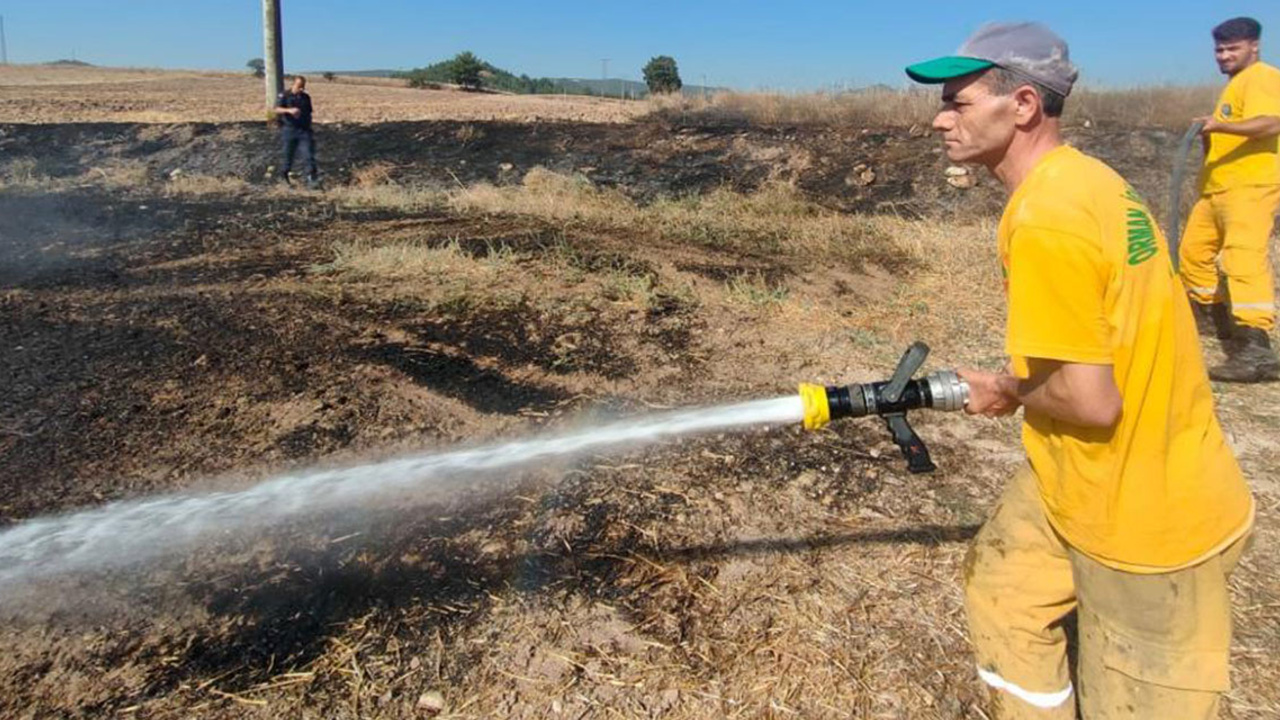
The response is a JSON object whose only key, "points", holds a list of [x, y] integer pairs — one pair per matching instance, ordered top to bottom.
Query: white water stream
{"points": [[131, 532]]}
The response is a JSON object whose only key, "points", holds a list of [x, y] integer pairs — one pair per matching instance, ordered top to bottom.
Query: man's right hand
{"points": [[990, 394]]}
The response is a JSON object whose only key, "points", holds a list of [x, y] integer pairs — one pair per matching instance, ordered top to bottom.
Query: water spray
{"points": [[133, 532]]}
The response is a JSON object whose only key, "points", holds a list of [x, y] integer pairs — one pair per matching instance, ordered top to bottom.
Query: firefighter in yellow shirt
{"points": [[1239, 196], [1131, 510]]}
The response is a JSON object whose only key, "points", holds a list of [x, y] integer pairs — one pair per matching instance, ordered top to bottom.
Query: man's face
{"points": [[1236, 55], [299, 85], [976, 125]]}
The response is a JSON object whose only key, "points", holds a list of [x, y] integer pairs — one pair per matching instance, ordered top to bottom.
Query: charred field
{"points": [[172, 321]]}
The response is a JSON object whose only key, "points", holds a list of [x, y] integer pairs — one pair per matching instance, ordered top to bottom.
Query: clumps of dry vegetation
{"points": [[1166, 106], [876, 107], [22, 172], [372, 174], [119, 176], [184, 185], [374, 185], [775, 219], [419, 258]]}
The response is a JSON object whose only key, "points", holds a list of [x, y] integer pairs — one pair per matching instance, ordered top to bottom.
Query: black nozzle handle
{"points": [[911, 361], [912, 447]]}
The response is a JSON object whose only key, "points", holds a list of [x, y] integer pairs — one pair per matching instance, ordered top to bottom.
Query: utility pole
{"points": [[4, 47], [272, 53], [604, 76]]}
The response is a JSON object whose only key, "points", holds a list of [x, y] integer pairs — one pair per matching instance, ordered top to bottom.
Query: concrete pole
{"points": [[4, 47], [272, 53]]}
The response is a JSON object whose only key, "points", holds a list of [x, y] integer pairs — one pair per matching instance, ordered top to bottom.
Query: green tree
{"points": [[257, 66], [465, 69], [330, 76], [662, 76]]}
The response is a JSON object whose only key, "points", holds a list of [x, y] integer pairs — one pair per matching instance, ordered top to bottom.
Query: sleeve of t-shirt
{"points": [[1262, 96], [1057, 298]]}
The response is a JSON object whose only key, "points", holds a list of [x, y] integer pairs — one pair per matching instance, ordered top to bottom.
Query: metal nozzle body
{"points": [[942, 390], [947, 391]]}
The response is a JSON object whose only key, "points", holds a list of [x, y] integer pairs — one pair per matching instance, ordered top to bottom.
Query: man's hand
{"points": [[295, 112], [1210, 123], [990, 394]]}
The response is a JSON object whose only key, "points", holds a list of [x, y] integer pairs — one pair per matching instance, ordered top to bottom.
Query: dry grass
{"points": [[1160, 106], [1170, 106], [869, 108], [23, 172], [373, 174], [121, 176], [197, 185], [406, 198], [774, 219], [416, 259]]}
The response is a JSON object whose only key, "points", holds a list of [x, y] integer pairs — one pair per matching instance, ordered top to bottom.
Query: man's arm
{"points": [[282, 109], [1262, 126], [1077, 393]]}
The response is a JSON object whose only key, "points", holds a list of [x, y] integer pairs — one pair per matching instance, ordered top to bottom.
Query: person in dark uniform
{"points": [[293, 109]]}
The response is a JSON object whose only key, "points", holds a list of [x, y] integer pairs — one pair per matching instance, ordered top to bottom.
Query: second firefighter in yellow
{"points": [[1231, 223]]}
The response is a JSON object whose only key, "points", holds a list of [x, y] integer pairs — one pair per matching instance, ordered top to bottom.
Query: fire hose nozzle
{"points": [[941, 390], [890, 399]]}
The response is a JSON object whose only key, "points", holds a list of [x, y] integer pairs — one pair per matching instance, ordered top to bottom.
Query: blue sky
{"points": [[744, 44]]}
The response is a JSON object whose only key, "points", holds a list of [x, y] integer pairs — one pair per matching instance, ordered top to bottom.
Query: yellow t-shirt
{"points": [[1234, 161], [1089, 280]]}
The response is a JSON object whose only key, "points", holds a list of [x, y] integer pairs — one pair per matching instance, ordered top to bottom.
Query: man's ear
{"points": [[1028, 105]]}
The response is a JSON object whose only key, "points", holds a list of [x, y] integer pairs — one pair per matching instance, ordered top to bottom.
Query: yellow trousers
{"points": [[1234, 227], [1150, 646]]}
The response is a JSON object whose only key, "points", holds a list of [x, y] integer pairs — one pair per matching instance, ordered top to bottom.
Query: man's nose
{"points": [[942, 121]]}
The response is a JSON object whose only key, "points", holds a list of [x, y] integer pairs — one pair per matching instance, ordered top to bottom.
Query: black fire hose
{"points": [[1175, 189]]}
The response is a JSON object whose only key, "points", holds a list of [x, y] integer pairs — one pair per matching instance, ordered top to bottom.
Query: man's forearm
{"points": [[1257, 127], [1083, 395]]}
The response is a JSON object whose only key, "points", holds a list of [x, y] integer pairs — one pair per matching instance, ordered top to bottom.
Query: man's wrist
{"points": [[1010, 386]]}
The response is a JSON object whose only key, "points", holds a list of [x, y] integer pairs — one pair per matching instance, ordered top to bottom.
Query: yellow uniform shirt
{"points": [[1234, 161], [1089, 280]]}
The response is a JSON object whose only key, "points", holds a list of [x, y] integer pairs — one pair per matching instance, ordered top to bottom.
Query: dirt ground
{"points": [[57, 94], [202, 329]]}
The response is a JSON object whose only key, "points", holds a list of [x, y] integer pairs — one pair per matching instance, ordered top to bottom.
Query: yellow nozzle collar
{"points": [[816, 410]]}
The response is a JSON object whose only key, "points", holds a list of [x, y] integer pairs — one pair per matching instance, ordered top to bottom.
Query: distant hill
{"points": [[69, 63]]}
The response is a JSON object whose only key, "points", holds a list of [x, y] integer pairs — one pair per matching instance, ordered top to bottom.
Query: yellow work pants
{"points": [[1233, 227], [1150, 646]]}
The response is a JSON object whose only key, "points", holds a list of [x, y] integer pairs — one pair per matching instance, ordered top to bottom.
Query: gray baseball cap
{"points": [[1028, 49]]}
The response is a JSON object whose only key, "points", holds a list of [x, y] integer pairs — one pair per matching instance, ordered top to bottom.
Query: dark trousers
{"points": [[293, 139]]}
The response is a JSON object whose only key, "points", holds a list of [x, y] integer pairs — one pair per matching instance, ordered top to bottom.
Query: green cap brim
{"points": [[940, 70]]}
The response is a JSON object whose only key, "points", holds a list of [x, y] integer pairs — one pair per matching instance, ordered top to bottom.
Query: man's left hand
{"points": [[1210, 123], [990, 394]]}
